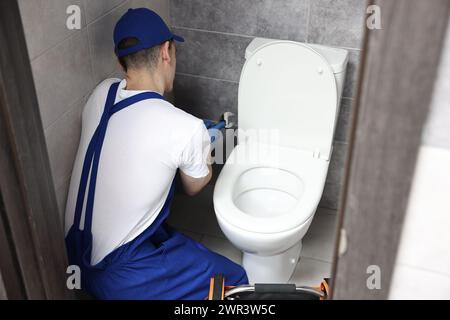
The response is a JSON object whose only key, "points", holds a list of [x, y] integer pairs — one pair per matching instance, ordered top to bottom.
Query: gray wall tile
{"points": [[97, 8], [215, 15], [266, 18], [283, 19], [337, 22], [44, 23], [101, 44], [211, 54], [117, 73], [352, 74], [62, 76], [205, 98], [343, 125], [62, 139], [337, 163], [335, 178], [330, 197], [61, 198], [321, 212]]}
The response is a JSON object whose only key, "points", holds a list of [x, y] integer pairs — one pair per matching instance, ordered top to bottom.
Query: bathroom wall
{"points": [[217, 33], [67, 65], [422, 270]]}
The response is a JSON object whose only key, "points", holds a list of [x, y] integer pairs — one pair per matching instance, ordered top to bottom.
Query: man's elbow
{"points": [[193, 188], [192, 193]]}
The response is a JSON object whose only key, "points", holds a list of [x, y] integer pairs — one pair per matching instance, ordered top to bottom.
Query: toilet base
{"points": [[271, 269]]}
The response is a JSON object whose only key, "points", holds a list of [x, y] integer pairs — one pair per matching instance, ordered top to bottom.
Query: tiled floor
{"points": [[195, 217]]}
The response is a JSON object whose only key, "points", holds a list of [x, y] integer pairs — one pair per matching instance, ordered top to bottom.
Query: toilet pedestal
{"points": [[272, 269]]}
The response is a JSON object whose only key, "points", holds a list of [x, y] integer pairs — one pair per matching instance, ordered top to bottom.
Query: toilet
{"points": [[268, 191]]}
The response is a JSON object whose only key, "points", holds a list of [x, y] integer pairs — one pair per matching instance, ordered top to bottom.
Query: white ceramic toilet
{"points": [[269, 189]]}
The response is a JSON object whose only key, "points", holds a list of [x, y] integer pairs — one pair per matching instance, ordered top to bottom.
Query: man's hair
{"points": [[145, 58]]}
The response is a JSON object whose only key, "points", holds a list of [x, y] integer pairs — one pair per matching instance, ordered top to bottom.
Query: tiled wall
{"points": [[217, 32], [67, 65], [422, 269]]}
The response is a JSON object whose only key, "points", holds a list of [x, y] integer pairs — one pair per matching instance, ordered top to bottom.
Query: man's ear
{"points": [[165, 52]]}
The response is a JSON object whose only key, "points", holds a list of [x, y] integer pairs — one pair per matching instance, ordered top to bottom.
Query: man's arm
{"points": [[197, 160], [193, 186]]}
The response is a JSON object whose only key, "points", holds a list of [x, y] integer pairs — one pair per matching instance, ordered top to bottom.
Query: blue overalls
{"points": [[160, 263]]}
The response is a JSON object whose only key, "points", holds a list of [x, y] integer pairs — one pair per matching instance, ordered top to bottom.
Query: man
{"points": [[132, 144]]}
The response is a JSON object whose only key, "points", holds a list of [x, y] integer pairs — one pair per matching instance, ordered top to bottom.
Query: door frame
{"points": [[396, 80], [32, 261], [33, 264]]}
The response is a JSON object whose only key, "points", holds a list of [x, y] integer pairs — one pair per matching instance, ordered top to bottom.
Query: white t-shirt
{"points": [[144, 146]]}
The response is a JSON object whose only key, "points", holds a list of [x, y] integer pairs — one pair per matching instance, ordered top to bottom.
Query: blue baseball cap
{"points": [[146, 26]]}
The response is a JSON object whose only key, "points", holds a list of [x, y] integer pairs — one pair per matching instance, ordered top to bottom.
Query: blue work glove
{"points": [[214, 128]]}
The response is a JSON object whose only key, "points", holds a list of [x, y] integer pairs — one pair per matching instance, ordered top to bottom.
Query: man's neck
{"points": [[143, 80]]}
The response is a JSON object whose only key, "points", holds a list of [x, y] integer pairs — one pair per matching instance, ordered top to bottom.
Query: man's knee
{"points": [[234, 274], [242, 277]]}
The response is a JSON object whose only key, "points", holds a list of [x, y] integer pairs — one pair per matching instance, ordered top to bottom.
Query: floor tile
{"points": [[195, 214], [196, 236], [425, 236], [318, 242], [223, 247], [310, 272], [410, 283]]}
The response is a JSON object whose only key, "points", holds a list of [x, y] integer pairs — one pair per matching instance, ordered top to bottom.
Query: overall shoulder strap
{"points": [[134, 99], [90, 154], [93, 155]]}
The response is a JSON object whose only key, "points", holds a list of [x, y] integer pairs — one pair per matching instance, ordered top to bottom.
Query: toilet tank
{"points": [[336, 57], [338, 60], [295, 89]]}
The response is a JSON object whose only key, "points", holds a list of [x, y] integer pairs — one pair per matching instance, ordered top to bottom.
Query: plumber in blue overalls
{"points": [[132, 143]]}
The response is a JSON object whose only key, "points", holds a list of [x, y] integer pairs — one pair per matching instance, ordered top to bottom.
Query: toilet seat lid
{"points": [[288, 90]]}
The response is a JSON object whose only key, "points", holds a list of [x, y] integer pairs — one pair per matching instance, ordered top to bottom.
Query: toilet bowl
{"points": [[269, 188]]}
